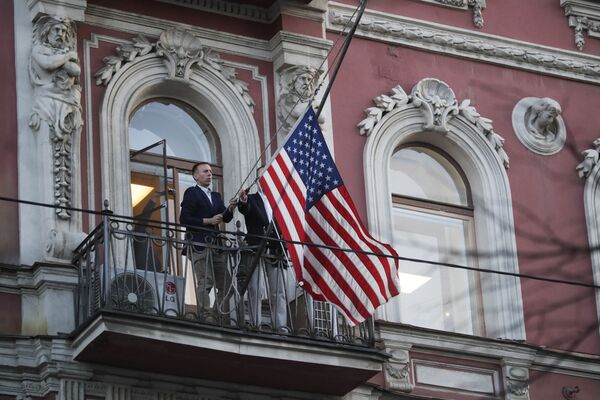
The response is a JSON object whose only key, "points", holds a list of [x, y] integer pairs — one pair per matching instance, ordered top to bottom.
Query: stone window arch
{"points": [[197, 79], [431, 115], [589, 170]]}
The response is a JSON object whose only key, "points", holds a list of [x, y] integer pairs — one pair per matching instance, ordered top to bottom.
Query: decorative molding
{"points": [[476, 5], [229, 8], [72, 9], [584, 16], [468, 44], [181, 51], [54, 73], [297, 86], [439, 106], [539, 125], [473, 144], [590, 160], [589, 170], [397, 371], [456, 376], [516, 382]]}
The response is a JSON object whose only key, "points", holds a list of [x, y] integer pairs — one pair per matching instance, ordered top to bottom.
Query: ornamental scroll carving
{"points": [[476, 5], [584, 16], [181, 51], [439, 106], [56, 112]]}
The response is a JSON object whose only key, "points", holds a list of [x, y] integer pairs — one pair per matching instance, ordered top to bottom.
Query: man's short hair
{"points": [[195, 167]]}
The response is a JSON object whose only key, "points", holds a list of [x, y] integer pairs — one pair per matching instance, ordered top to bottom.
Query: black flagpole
{"points": [[344, 50], [336, 69]]}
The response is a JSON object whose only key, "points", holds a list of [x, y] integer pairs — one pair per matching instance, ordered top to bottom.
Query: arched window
{"points": [[166, 139], [435, 174], [433, 221]]}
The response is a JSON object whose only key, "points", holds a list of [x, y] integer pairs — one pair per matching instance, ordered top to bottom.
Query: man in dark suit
{"points": [[202, 210], [258, 215]]}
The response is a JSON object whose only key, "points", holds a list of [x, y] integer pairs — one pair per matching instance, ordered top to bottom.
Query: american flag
{"points": [[311, 205]]}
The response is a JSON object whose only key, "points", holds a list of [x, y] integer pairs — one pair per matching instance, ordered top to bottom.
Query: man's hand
{"points": [[232, 204], [214, 220]]}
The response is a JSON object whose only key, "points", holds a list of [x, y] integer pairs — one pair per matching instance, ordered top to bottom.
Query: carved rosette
{"points": [[182, 52], [437, 101], [439, 106], [591, 157]]}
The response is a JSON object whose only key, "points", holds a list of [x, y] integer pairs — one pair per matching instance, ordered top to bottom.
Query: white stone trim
{"points": [[476, 5], [73, 9], [237, 10], [583, 15], [453, 41], [207, 91], [591, 200], [494, 224], [487, 350]]}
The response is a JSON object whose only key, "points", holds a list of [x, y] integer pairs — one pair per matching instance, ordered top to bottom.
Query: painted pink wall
{"points": [[536, 21], [547, 194], [9, 234], [10, 314], [547, 385]]}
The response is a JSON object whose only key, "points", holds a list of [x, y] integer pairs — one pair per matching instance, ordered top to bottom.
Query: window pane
{"points": [[185, 136], [425, 174], [435, 296]]}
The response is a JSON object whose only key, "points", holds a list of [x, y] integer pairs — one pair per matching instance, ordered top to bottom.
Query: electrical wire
{"points": [[293, 242]]}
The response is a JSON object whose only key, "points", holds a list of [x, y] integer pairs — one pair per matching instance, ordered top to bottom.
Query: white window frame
{"points": [[467, 145]]}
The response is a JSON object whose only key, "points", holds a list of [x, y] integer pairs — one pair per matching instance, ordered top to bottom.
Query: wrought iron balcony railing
{"points": [[154, 269]]}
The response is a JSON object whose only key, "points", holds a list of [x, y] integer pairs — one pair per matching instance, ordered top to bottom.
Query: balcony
{"points": [[137, 308]]}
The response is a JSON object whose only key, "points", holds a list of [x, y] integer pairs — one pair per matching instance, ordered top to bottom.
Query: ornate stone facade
{"points": [[584, 16], [181, 51], [54, 73], [297, 86], [439, 105]]}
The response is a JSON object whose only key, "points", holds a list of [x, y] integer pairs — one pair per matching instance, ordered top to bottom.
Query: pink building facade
{"points": [[466, 132]]}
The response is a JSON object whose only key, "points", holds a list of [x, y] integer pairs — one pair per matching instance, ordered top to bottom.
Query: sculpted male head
{"points": [[56, 32]]}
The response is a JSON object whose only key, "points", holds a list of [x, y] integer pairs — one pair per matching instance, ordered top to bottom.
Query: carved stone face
{"points": [[57, 35], [303, 85], [543, 123]]}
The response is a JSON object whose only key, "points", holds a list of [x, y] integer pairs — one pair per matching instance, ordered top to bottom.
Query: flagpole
{"points": [[336, 69]]}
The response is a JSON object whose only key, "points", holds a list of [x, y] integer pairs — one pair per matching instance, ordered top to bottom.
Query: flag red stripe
{"points": [[347, 263]]}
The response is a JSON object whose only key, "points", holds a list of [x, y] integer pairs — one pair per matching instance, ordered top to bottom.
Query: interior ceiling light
{"points": [[139, 193]]}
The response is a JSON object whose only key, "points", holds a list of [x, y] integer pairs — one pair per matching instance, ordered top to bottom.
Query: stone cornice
{"points": [[476, 5], [237, 10], [584, 16], [150, 26], [468, 44], [479, 348]]}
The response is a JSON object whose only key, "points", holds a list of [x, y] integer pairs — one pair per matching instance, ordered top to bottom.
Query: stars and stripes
{"points": [[311, 205]]}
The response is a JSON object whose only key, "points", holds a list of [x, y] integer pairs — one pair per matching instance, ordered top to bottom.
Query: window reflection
{"points": [[433, 222]]}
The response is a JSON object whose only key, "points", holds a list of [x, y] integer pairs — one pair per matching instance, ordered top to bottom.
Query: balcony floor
{"points": [[181, 348]]}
